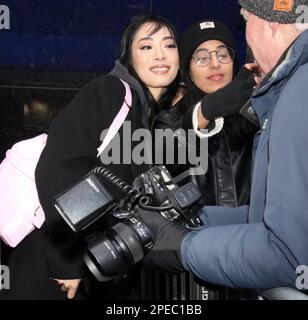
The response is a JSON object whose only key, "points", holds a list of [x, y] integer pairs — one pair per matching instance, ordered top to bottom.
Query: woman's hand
{"points": [[231, 98], [70, 286]]}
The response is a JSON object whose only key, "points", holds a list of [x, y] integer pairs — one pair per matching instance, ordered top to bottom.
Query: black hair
{"points": [[133, 26]]}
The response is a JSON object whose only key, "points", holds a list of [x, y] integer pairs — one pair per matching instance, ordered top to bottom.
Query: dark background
{"points": [[85, 34], [53, 47]]}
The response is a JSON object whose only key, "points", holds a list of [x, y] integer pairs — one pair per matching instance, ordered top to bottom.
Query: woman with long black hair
{"points": [[49, 264]]}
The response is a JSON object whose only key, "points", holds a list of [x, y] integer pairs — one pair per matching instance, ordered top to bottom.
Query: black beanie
{"points": [[200, 32]]}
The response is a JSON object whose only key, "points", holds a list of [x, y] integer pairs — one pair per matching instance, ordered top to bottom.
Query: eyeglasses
{"points": [[203, 57]]}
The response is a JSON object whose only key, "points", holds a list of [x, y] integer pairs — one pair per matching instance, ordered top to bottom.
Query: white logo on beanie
{"points": [[207, 25]]}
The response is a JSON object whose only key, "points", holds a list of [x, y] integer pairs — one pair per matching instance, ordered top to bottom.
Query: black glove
{"points": [[231, 98], [167, 236]]}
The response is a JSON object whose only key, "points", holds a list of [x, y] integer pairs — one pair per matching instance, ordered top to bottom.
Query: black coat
{"points": [[71, 152], [227, 180], [55, 251]]}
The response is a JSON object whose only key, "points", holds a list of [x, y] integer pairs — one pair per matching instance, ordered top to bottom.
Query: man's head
{"points": [[281, 11], [271, 27]]}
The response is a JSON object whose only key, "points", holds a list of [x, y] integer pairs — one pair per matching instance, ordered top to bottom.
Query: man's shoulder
{"points": [[301, 74], [295, 91], [291, 112]]}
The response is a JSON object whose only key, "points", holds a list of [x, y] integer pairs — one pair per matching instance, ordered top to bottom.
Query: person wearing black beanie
{"points": [[200, 32], [193, 39], [209, 61], [229, 137]]}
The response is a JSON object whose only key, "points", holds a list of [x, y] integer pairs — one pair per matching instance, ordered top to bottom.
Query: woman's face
{"points": [[155, 58], [215, 75]]}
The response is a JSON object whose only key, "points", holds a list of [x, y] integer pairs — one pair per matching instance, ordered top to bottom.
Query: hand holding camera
{"points": [[155, 213], [167, 236]]}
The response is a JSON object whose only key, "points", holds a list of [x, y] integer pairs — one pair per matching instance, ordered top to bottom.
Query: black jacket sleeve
{"points": [[167, 143], [70, 153]]}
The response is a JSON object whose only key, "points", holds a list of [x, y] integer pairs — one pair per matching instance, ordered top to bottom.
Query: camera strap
{"points": [[118, 120]]}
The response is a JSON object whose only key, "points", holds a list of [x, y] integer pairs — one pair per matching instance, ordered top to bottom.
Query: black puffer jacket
{"points": [[71, 152], [227, 180], [54, 251]]}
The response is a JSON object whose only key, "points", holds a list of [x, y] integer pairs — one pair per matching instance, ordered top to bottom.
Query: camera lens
{"points": [[142, 231], [122, 246], [104, 258]]}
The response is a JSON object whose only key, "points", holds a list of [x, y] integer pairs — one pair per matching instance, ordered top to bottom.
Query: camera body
{"points": [[113, 250]]}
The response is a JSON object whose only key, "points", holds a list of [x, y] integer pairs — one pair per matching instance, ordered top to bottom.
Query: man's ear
{"points": [[274, 27]]}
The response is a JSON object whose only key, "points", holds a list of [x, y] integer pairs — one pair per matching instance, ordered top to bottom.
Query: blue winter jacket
{"points": [[261, 245]]}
